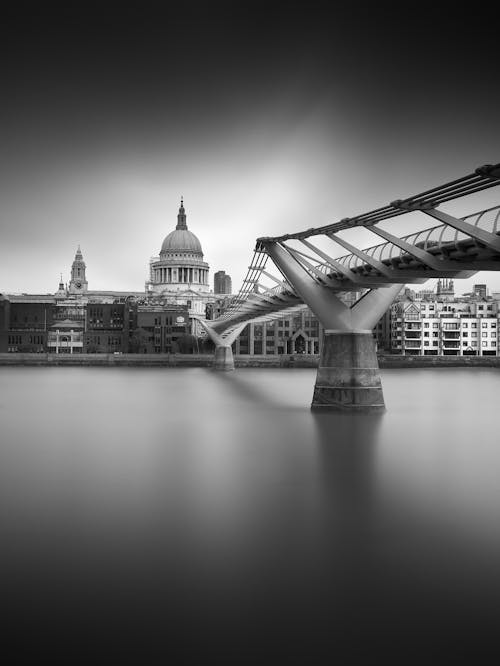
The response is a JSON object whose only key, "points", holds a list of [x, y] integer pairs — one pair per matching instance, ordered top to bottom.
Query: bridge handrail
{"points": [[439, 238], [435, 239]]}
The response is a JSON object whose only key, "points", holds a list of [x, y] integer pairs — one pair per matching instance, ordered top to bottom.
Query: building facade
{"points": [[179, 275], [222, 283], [458, 327], [157, 329], [299, 333]]}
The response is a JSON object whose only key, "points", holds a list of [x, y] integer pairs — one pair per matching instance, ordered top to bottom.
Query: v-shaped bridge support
{"points": [[224, 359], [348, 377]]}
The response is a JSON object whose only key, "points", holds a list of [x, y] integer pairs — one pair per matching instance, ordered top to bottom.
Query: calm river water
{"points": [[214, 518]]}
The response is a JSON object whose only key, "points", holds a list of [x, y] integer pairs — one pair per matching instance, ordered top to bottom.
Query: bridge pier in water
{"points": [[223, 359], [348, 377]]}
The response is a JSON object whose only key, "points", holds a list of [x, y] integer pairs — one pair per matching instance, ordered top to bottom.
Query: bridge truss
{"points": [[457, 247]]}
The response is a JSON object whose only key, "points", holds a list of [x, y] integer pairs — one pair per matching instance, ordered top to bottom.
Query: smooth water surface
{"points": [[213, 516]]}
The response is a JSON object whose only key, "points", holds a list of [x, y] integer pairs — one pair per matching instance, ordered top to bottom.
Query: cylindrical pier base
{"points": [[223, 358], [348, 376]]}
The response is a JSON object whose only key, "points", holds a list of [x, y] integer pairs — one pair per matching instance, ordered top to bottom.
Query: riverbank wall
{"points": [[241, 361]]}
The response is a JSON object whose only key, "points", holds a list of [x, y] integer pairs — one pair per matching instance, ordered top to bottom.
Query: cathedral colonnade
{"points": [[179, 275]]}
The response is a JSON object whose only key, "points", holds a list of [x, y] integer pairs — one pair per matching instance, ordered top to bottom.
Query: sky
{"points": [[267, 120]]}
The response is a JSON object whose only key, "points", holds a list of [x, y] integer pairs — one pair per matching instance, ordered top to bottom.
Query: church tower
{"points": [[78, 283], [61, 292]]}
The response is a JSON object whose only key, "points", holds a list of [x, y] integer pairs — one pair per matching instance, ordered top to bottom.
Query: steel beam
{"points": [[421, 255], [374, 263], [329, 309]]}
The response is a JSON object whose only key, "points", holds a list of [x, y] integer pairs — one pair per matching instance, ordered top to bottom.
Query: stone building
{"points": [[179, 275], [78, 283], [299, 333]]}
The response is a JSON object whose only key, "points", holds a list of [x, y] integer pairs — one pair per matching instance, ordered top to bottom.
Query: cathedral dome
{"points": [[181, 239], [180, 268]]}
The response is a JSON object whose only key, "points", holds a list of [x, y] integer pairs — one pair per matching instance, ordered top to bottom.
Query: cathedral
{"points": [[179, 275]]}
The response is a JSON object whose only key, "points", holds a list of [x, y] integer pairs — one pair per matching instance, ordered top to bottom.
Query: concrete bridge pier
{"points": [[224, 359], [348, 377]]}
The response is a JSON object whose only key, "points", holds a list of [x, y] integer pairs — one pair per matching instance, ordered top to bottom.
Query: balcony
{"points": [[413, 335], [451, 335], [412, 344], [449, 344]]}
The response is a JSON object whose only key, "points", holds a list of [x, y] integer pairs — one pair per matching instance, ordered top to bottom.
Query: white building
{"points": [[179, 275], [449, 328]]}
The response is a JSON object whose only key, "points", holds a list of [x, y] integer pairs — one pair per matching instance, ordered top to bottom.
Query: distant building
{"points": [[179, 275], [78, 283], [222, 283], [445, 290], [480, 291], [25, 322], [107, 328], [445, 328], [159, 329], [298, 333]]}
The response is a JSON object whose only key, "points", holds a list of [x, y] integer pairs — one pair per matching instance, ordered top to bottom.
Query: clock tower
{"points": [[78, 283]]}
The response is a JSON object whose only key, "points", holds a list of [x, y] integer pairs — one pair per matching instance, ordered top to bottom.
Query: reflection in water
{"points": [[216, 515]]}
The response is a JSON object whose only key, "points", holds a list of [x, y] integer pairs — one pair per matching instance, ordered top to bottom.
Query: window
{"points": [[426, 324], [465, 324], [473, 324], [484, 325], [465, 334], [473, 334], [484, 334]]}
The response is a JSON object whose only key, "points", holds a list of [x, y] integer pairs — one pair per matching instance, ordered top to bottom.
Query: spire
{"points": [[181, 217], [61, 284]]}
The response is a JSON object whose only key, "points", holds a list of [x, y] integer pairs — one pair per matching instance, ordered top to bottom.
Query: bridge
{"points": [[313, 274]]}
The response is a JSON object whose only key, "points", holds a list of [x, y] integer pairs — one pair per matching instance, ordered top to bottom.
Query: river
{"points": [[214, 516]]}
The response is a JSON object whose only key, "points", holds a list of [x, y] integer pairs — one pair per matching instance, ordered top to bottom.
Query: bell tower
{"points": [[78, 283]]}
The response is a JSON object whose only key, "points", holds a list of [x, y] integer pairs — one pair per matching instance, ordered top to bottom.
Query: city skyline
{"points": [[265, 123]]}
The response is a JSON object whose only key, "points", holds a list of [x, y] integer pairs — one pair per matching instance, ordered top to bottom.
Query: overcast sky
{"points": [[265, 120]]}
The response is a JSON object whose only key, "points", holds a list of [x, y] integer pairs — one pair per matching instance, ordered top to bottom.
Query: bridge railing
{"points": [[439, 237], [421, 254]]}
